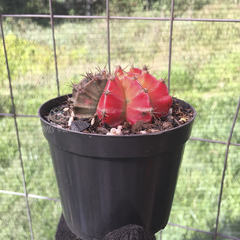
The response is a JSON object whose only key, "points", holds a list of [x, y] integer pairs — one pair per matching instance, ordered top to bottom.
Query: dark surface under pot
{"points": [[106, 182]]}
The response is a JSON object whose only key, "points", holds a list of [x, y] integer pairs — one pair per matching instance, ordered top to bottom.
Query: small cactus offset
{"points": [[86, 94], [121, 97]]}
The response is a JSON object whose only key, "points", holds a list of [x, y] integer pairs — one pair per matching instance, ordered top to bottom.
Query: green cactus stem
{"points": [[86, 94]]}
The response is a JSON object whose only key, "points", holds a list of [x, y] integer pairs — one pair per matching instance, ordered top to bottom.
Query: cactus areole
{"points": [[121, 97]]}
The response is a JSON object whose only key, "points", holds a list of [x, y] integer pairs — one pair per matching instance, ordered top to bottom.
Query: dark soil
{"points": [[177, 116]]}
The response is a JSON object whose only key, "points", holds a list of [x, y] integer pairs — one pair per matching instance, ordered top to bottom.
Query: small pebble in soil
{"points": [[167, 125], [115, 131]]}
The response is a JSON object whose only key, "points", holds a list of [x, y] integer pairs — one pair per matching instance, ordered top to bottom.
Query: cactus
{"points": [[86, 94], [123, 96], [145, 97]]}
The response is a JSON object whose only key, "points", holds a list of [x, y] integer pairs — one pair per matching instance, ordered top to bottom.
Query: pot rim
{"points": [[113, 136]]}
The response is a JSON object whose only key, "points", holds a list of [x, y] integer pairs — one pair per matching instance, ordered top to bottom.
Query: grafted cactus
{"points": [[123, 96]]}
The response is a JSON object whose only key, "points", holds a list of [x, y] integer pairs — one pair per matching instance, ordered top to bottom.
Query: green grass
{"points": [[205, 72]]}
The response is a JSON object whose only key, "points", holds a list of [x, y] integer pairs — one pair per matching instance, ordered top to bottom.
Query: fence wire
{"points": [[107, 21]]}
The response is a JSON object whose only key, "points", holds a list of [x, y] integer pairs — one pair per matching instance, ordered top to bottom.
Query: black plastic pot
{"points": [[106, 182]]}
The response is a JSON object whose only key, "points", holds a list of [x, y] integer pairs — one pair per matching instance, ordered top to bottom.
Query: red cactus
{"points": [[133, 96]]}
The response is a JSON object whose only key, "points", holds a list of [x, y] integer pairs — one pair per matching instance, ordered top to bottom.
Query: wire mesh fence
{"points": [[194, 44]]}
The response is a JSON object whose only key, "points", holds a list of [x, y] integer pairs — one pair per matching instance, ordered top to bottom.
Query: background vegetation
{"points": [[205, 72]]}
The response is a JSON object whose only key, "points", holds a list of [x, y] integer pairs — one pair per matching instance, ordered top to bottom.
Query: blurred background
{"points": [[204, 70]]}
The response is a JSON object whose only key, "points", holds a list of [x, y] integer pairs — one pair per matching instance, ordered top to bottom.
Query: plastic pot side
{"points": [[106, 182]]}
